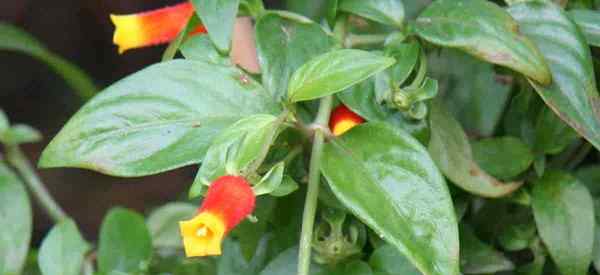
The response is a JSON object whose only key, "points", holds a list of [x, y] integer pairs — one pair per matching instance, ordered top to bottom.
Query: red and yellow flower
{"points": [[152, 27], [343, 119], [228, 201]]}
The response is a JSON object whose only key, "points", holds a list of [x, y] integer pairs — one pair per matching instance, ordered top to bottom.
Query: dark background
{"points": [[30, 93]]}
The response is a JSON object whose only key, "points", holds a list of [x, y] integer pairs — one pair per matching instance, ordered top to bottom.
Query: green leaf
{"points": [[390, 12], [218, 16], [588, 22], [485, 30], [15, 39], [175, 44], [283, 45], [199, 47], [406, 55], [334, 72], [471, 89], [573, 94], [362, 99], [158, 119], [4, 123], [20, 133], [551, 134], [236, 149], [451, 151], [502, 157], [590, 176], [270, 181], [288, 186], [393, 186], [564, 214], [16, 221], [163, 223], [250, 233], [517, 236], [125, 244], [63, 250], [596, 251], [478, 257], [388, 260], [232, 261], [286, 263], [350, 268]]}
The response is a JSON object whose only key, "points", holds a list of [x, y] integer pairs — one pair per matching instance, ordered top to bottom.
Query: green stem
{"points": [[356, 40], [18, 160], [314, 177]]}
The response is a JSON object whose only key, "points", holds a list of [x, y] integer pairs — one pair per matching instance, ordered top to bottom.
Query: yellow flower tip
{"points": [[128, 32], [343, 126], [202, 235]]}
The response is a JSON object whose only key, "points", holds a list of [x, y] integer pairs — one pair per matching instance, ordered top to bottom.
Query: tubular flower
{"points": [[152, 27], [343, 119], [228, 201]]}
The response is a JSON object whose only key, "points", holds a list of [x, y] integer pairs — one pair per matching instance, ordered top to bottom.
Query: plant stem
{"points": [[18, 160], [314, 178]]}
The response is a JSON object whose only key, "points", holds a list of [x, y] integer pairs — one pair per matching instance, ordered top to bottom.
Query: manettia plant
{"points": [[363, 137]]}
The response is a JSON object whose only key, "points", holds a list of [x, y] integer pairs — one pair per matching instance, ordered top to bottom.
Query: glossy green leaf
{"points": [[314, 9], [390, 12], [218, 16], [588, 22], [485, 30], [15, 39], [176, 43], [283, 45], [199, 47], [406, 55], [333, 72], [471, 89], [573, 94], [362, 99], [521, 116], [158, 119], [4, 123], [20, 133], [551, 134], [236, 149], [451, 151], [502, 157], [590, 176], [271, 180], [287, 186], [394, 187], [564, 214], [16, 221], [163, 223], [249, 234], [517, 236], [125, 244], [63, 250], [596, 251], [478, 257], [388, 260], [232, 261], [286, 263], [348, 268]]}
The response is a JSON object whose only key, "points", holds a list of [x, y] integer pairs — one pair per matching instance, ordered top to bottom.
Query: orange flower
{"points": [[152, 27], [343, 119], [228, 201]]}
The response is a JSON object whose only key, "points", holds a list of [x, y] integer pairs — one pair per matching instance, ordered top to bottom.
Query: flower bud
{"points": [[343, 119], [228, 201]]}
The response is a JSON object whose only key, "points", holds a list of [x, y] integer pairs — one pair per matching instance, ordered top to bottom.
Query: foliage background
{"points": [[80, 31]]}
